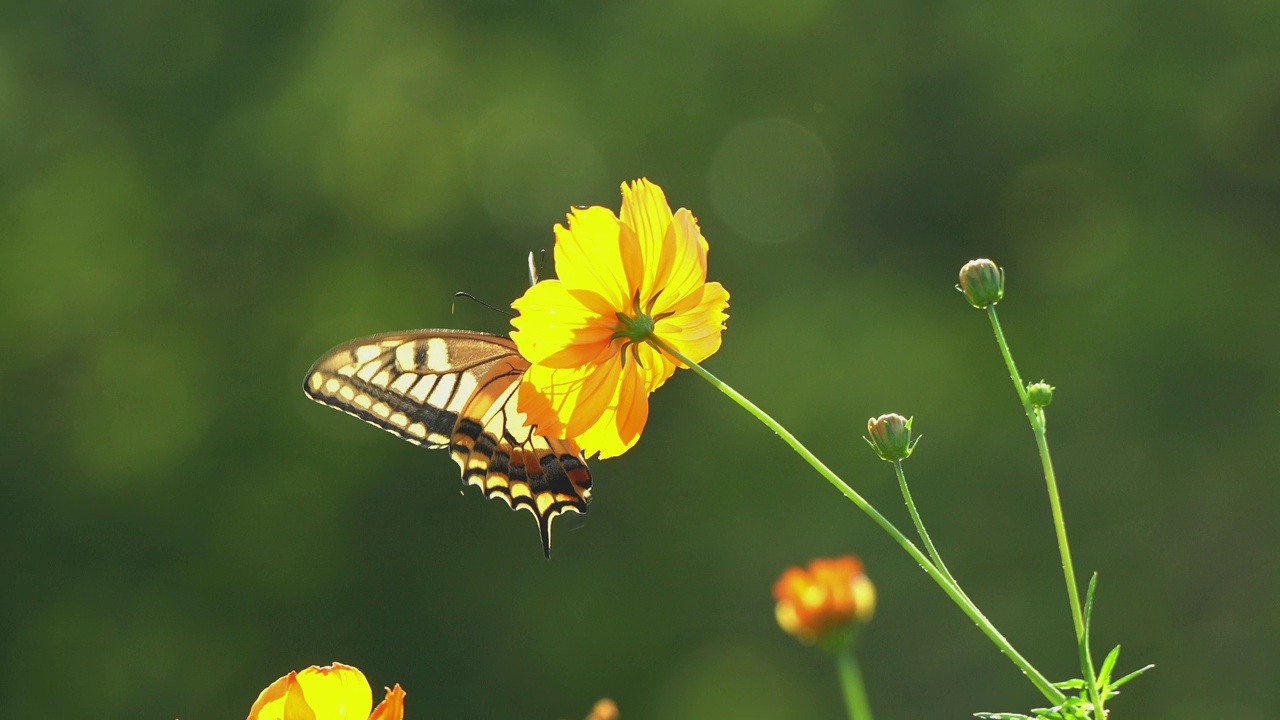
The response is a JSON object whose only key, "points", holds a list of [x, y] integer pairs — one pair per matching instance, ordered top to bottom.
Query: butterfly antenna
{"points": [[469, 296]]}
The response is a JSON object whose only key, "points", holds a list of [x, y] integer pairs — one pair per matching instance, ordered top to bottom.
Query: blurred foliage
{"points": [[198, 198]]}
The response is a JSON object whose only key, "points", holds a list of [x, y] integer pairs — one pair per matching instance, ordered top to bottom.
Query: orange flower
{"points": [[626, 285], [820, 604], [333, 692]]}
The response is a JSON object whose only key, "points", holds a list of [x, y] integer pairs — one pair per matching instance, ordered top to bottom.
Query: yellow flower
{"points": [[626, 285], [825, 603], [333, 692]]}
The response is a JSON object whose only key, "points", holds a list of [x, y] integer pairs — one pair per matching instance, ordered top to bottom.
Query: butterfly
{"points": [[456, 389]]}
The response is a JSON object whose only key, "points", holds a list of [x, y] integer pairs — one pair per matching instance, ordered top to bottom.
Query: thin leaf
{"points": [[1109, 664], [1131, 676]]}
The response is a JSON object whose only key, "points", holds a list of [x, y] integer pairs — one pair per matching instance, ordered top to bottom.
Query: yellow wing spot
{"points": [[365, 353], [438, 355], [404, 356], [347, 370], [367, 371], [315, 381], [404, 382], [331, 386], [423, 387], [444, 388], [466, 388], [346, 393], [363, 401], [381, 409], [399, 419], [417, 430], [520, 490], [544, 502]]}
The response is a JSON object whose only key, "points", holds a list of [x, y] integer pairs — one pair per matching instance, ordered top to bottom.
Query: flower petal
{"points": [[646, 212], [592, 254], [686, 271], [559, 327], [695, 328], [659, 365], [564, 402], [603, 407], [624, 416], [622, 420], [335, 692], [271, 701], [296, 707], [392, 707]]}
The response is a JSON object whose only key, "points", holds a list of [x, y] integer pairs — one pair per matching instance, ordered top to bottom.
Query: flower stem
{"points": [[1036, 418], [915, 517], [1051, 693], [855, 694]]}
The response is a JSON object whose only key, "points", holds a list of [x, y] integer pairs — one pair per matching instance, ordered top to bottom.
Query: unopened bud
{"points": [[982, 283], [1040, 394], [890, 436]]}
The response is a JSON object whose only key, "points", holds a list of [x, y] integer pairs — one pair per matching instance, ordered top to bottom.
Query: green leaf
{"points": [[1109, 664], [1131, 676]]}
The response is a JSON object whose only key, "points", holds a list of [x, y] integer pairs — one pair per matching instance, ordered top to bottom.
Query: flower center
{"points": [[635, 329]]}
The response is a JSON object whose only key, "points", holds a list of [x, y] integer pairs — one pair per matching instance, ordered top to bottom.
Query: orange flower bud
{"points": [[826, 603], [605, 709]]}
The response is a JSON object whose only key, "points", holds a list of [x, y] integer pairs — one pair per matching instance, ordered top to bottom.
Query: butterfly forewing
{"points": [[455, 389]]}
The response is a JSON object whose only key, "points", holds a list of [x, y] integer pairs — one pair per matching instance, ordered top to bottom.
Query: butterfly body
{"points": [[457, 390]]}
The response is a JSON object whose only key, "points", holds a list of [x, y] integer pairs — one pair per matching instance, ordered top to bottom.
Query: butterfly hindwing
{"points": [[457, 390]]}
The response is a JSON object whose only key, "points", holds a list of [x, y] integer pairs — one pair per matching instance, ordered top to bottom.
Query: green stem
{"points": [[915, 517], [1059, 523], [924, 534], [959, 598], [855, 694]]}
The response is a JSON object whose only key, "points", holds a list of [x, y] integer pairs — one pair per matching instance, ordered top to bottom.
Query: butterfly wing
{"points": [[457, 390]]}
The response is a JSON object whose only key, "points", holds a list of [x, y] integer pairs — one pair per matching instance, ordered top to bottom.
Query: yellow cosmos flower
{"points": [[628, 285], [333, 692]]}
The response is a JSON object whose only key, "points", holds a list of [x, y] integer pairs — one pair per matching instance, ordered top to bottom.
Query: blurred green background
{"points": [[197, 199]]}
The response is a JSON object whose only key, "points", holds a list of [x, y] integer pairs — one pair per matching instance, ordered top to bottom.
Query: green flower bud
{"points": [[982, 283], [1040, 394], [890, 436]]}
